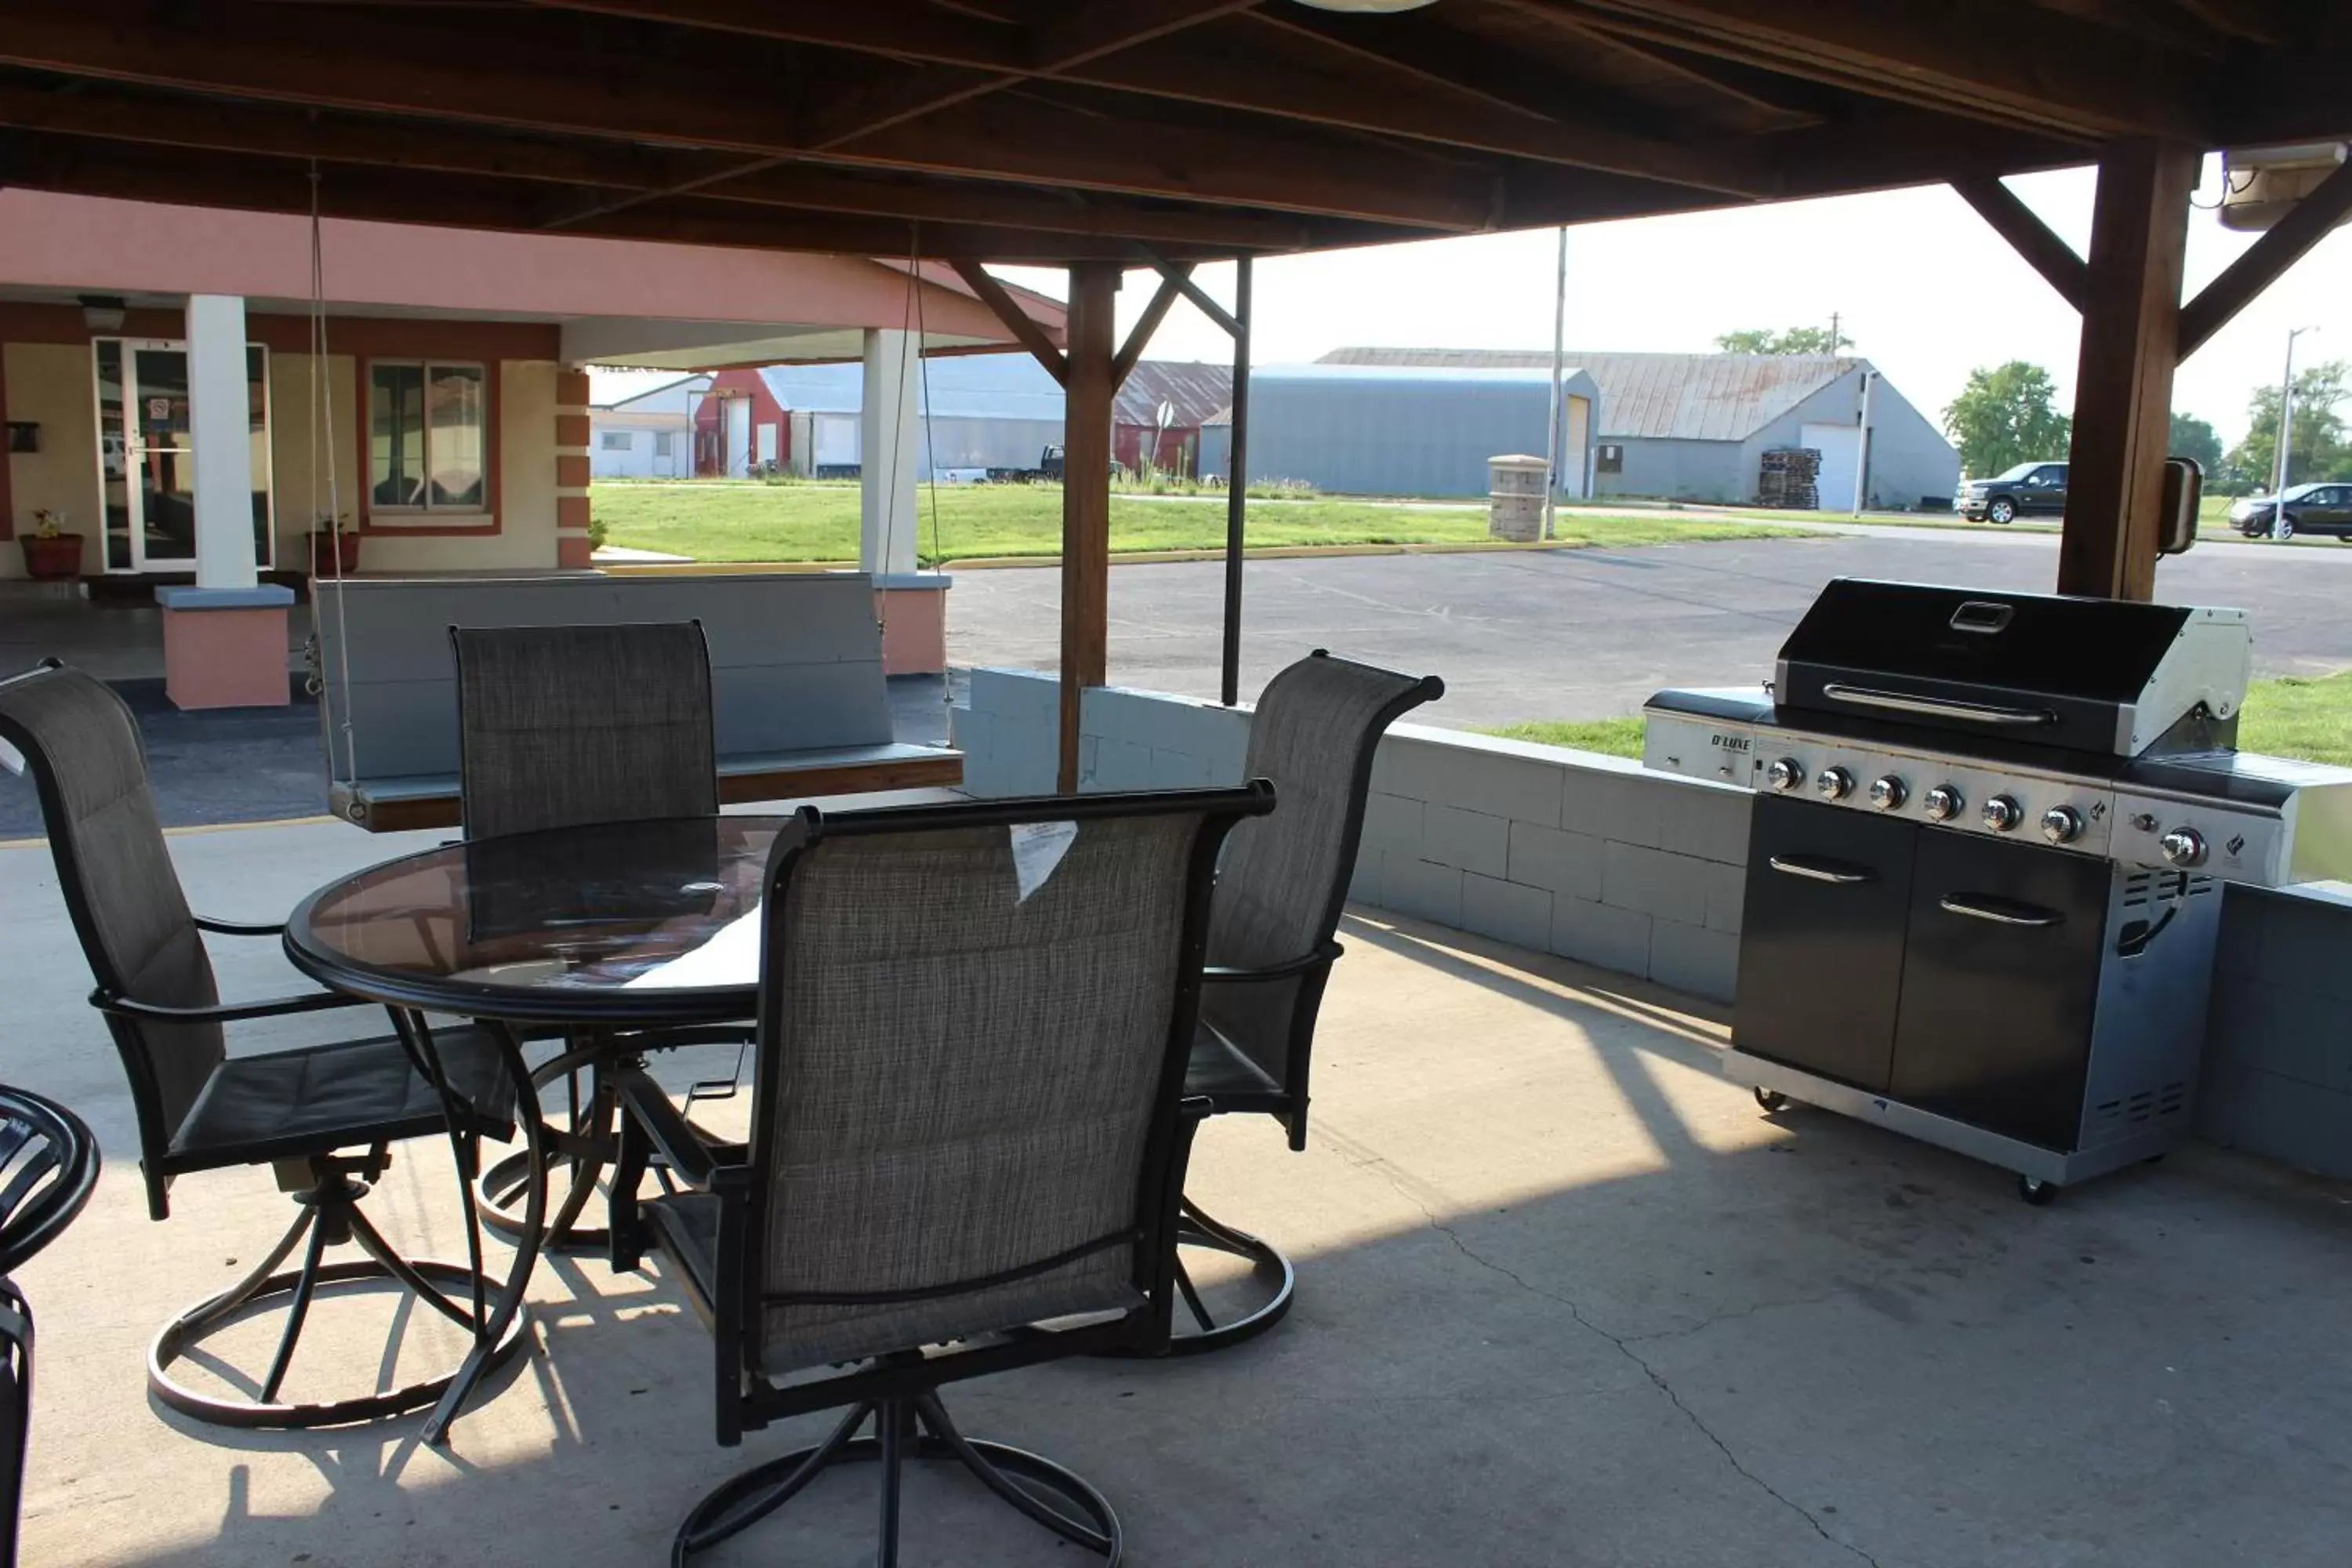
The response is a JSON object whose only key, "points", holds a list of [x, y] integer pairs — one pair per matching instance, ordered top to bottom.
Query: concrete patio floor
{"points": [[1567, 1296]]}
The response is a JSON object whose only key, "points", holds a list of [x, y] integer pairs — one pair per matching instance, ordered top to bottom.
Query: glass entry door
{"points": [[146, 456]]}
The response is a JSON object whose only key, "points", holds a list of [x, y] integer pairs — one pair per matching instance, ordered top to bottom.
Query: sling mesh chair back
{"points": [[565, 726], [1271, 938], [200, 1108], [969, 1125], [48, 1164]]}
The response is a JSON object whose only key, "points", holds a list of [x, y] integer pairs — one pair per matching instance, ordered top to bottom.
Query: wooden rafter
{"points": [[2007, 61], [2027, 235], [1181, 278]]}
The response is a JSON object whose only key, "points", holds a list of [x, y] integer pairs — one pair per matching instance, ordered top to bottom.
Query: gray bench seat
{"points": [[800, 704]]}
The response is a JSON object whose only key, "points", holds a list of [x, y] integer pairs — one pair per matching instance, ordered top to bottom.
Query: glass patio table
{"points": [[616, 926]]}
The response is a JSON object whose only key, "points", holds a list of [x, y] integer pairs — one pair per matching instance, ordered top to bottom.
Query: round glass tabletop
{"points": [[618, 923]]}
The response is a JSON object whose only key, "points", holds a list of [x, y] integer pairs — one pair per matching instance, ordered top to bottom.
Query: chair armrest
{"points": [[238, 928], [1290, 969], [225, 1012], [672, 1137]]}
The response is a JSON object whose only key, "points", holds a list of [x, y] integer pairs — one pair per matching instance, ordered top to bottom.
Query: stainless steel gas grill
{"points": [[1985, 862]]}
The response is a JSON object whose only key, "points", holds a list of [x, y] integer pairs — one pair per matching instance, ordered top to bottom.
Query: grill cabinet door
{"points": [[1821, 944], [1999, 985]]}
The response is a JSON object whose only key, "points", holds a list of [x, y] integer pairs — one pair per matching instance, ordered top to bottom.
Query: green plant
{"points": [[48, 521]]}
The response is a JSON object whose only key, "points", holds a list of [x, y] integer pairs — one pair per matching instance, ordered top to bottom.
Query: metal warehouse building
{"points": [[1684, 426], [1403, 430]]}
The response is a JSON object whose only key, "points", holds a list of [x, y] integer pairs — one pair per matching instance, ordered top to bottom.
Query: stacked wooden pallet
{"points": [[1791, 478]]}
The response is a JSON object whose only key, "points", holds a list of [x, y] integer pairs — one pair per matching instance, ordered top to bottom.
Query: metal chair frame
{"points": [[51, 1184]]}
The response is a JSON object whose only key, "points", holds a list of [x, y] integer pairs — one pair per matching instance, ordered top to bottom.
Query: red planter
{"points": [[326, 547], [56, 556]]}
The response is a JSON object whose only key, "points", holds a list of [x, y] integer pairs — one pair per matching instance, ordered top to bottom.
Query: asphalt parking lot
{"points": [[1591, 633]]}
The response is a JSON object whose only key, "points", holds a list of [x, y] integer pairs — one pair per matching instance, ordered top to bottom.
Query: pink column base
{"points": [[914, 630], [226, 659]]}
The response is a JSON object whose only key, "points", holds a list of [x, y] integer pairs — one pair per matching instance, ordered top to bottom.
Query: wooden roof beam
{"points": [[2007, 61], [439, 65], [643, 173], [2027, 235], [2284, 244], [1018, 322], [1138, 337]]}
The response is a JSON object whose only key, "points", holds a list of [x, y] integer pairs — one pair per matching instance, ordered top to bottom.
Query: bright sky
{"points": [[1926, 291]]}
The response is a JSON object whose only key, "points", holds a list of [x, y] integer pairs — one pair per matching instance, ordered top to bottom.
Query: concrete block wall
{"points": [[1559, 851], [1597, 860]]}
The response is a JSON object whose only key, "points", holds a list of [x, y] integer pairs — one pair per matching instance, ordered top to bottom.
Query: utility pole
{"points": [[1835, 336], [1554, 441]]}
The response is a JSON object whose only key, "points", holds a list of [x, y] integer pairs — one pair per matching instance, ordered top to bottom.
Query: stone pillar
{"points": [[573, 549], [910, 603], [225, 641]]}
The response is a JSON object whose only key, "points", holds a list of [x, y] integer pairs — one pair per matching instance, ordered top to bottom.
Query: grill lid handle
{"points": [[1936, 706], [1817, 868], [2000, 912]]}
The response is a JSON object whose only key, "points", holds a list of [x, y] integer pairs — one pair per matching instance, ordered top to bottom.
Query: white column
{"points": [[220, 429], [889, 440]]}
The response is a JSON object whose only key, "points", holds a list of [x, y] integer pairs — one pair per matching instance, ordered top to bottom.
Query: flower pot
{"points": [[335, 554], [56, 556]]}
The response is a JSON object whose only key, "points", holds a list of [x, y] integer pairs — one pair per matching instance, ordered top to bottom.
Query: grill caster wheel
{"points": [[1771, 1099], [2040, 1194]]}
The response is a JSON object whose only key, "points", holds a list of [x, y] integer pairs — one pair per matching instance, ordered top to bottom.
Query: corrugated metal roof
{"points": [[1196, 389], [1683, 397]]}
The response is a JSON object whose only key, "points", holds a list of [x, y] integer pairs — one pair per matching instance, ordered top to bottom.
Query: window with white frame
{"points": [[428, 437], [661, 440], [619, 441]]}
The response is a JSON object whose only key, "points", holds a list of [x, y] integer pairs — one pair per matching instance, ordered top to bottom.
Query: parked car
{"points": [[2025, 490], [2317, 508]]}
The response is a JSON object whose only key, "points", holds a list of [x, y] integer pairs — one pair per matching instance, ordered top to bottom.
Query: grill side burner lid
{"points": [[2104, 676]]}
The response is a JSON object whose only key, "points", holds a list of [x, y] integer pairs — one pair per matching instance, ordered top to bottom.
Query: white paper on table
{"points": [[11, 759], [1037, 849], [731, 957]]}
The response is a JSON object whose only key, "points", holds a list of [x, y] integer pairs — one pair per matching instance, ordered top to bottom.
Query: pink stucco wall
{"points": [[88, 243]]}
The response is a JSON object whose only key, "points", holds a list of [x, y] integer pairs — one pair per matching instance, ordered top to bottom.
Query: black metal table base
{"points": [[331, 1215], [1048, 1494]]}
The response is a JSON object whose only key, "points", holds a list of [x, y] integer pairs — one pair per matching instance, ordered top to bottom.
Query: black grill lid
{"points": [[2103, 651]]}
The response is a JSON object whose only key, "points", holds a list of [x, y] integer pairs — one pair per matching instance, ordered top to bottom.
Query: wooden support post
{"points": [[2123, 385], [1085, 495]]}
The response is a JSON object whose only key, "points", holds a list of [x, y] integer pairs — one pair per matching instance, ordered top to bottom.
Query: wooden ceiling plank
{"points": [[1099, 28], [900, 31], [2001, 61], [1784, 116], [2027, 235]]}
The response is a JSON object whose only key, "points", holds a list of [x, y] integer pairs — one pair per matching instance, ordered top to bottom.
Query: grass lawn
{"points": [[722, 521], [2306, 716]]}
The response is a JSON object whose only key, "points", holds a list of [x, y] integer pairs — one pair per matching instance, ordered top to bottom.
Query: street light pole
{"points": [[2286, 429], [1555, 445]]}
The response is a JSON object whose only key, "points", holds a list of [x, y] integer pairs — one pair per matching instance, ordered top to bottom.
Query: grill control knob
{"points": [[1785, 774], [1834, 783], [1887, 793], [1943, 803], [2000, 813], [2062, 825], [2183, 847]]}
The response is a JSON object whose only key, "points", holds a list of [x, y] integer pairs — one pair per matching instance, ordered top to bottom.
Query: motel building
{"points": [[216, 418]]}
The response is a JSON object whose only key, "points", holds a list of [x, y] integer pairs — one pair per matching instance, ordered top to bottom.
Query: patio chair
{"points": [[559, 727], [1271, 938], [323, 1116], [969, 1135], [48, 1164]]}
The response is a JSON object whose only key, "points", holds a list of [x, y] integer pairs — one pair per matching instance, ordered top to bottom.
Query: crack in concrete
{"points": [[1734, 1315], [1623, 1345]]}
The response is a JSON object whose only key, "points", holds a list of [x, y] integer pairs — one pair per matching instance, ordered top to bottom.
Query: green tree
{"points": [[1795, 341], [2006, 416], [2195, 439], [2319, 450]]}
